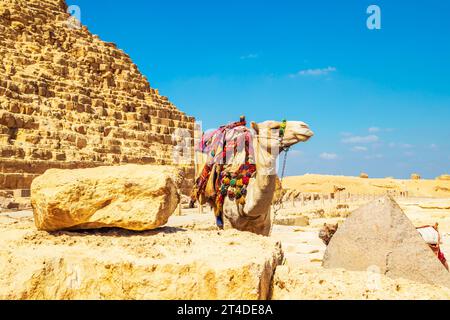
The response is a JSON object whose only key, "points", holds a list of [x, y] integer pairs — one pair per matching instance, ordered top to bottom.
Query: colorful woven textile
{"points": [[224, 143], [229, 166]]}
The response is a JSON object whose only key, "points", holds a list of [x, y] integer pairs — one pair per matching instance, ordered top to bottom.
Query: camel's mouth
{"points": [[304, 135], [300, 136]]}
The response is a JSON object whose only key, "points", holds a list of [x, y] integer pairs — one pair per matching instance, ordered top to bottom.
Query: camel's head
{"points": [[295, 132]]}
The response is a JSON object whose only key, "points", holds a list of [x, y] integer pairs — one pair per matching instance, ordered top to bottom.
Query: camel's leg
{"points": [[234, 218], [227, 225]]}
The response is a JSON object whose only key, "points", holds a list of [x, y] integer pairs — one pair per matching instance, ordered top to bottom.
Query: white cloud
{"points": [[250, 56], [314, 72], [378, 129], [346, 134], [361, 139], [378, 145], [400, 145], [433, 146], [359, 149], [328, 156], [375, 156]]}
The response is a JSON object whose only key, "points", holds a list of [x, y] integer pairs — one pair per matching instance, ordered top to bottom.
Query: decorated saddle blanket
{"points": [[229, 166]]}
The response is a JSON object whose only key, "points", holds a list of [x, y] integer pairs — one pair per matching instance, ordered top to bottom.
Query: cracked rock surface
{"points": [[166, 263]]}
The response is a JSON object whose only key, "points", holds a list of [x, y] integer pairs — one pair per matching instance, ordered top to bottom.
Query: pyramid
{"points": [[70, 100], [380, 234]]}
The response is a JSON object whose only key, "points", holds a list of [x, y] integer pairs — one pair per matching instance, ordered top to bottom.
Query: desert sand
{"points": [[312, 183]]}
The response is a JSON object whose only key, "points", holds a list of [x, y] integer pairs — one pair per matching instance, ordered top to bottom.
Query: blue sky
{"points": [[378, 100]]}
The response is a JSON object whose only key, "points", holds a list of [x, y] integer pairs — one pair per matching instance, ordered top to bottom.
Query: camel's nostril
{"points": [[307, 133]]}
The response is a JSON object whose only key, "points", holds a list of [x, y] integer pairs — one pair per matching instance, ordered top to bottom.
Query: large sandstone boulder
{"points": [[131, 197], [380, 236], [168, 263]]}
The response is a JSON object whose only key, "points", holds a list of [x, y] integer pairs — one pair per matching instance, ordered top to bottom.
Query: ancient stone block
{"points": [[131, 197], [120, 264]]}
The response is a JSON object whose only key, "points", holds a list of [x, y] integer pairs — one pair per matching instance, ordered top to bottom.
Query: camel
{"points": [[337, 189], [255, 215], [327, 232]]}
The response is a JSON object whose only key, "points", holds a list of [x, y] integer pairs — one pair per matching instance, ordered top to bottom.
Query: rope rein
{"points": [[284, 149], [278, 205]]}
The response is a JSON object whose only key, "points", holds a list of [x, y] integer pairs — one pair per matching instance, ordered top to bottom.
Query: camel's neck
{"points": [[266, 160], [262, 189]]}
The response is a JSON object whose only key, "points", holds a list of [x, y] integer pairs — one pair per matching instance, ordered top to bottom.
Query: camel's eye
{"points": [[275, 126]]}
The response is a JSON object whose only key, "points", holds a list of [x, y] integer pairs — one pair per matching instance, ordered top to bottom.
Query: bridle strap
{"points": [[280, 138]]}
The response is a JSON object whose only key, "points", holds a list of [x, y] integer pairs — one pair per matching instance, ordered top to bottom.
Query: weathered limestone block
{"points": [[132, 197], [169, 263]]}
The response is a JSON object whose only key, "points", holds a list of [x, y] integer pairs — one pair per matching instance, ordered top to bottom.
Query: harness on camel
{"points": [[229, 167]]}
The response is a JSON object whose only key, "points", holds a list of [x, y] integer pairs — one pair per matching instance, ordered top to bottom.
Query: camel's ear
{"points": [[255, 126]]}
